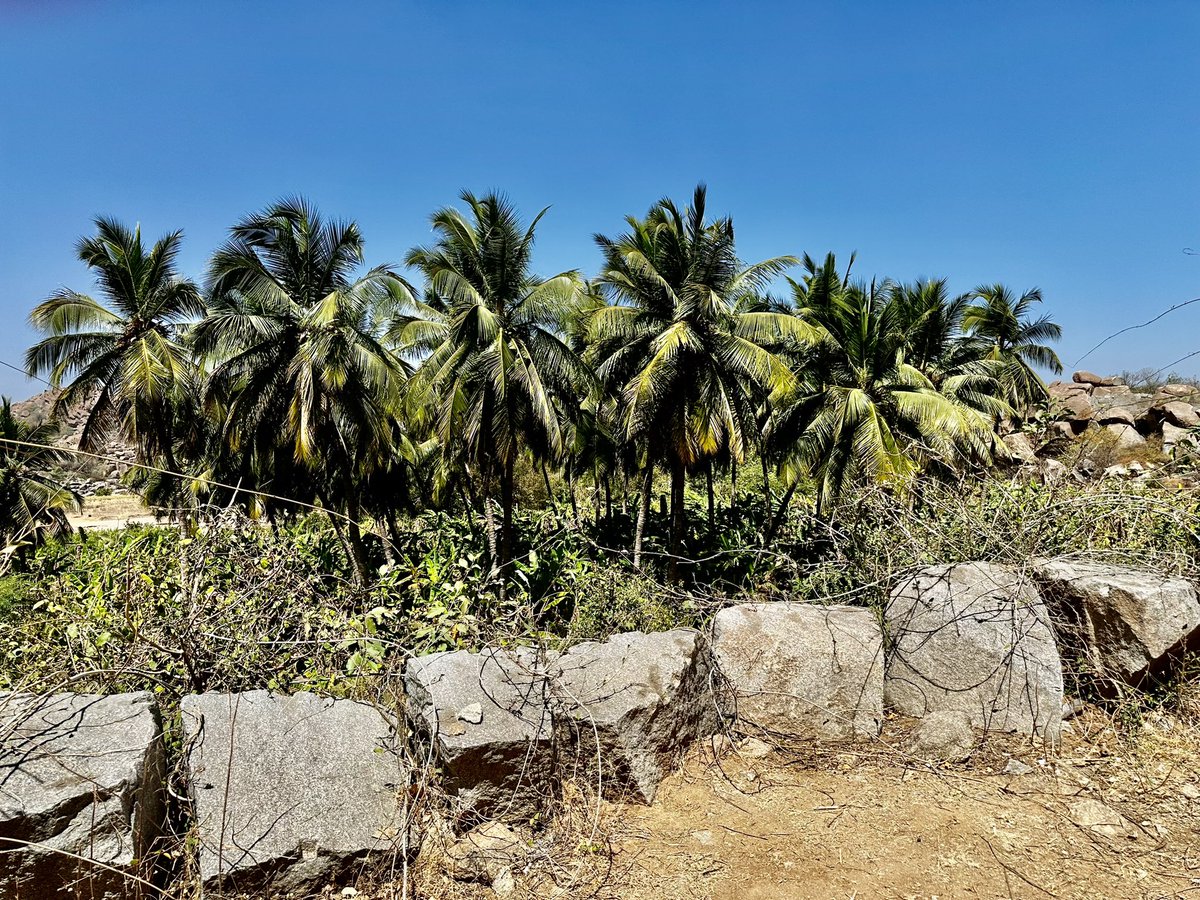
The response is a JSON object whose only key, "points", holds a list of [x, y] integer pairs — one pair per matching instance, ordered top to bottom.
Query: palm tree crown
{"points": [[1002, 321], [494, 335], [676, 345], [125, 355], [307, 387], [863, 409], [33, 503]]}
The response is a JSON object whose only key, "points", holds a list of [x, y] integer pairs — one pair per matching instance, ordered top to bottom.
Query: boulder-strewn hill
{"points": [[37, 409], [1168, 411], [88, 473]]}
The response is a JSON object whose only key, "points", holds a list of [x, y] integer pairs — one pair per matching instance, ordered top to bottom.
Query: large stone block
{"points": [[1095, 380], [1077, 407], [1181, 414], [1126, 435], [1132, 620], [974, 637], [800, 669], [629, 706], [488, 720], [291, 792], [81, 794]]}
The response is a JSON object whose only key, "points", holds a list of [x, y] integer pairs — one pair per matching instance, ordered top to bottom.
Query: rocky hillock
{"points": [[1169, 411], [84, 474]]}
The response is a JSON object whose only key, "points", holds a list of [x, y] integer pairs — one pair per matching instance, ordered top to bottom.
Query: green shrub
{"points": [[613, 598]]}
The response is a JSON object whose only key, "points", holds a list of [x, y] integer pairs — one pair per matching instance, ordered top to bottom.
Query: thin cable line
{"points": [[1134, 327], [25, 372]]}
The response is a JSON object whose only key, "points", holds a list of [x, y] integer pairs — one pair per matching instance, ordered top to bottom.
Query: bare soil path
{"points": [[111, 512], [1114, 814], [794, 824]]}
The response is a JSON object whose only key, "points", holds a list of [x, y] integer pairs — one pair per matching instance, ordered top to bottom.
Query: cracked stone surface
{"points": [[975, 637], [80, 774], [291, 792]]}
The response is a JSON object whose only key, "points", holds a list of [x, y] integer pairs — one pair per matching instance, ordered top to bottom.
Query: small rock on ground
{"points": [[944, 735]]}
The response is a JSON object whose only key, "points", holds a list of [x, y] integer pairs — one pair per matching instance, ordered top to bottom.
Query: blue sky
{"points": [[1048, 144]]}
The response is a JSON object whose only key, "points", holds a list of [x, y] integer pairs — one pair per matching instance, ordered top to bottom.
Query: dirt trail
{"points": [[112, 512], [753, 822], [876, 825]]}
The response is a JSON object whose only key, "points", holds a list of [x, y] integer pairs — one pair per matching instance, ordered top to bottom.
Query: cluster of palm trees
{"points": [[295, 373]]}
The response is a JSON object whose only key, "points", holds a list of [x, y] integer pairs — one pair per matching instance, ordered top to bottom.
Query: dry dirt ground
{"points": [[113, 511], [806, 822]]}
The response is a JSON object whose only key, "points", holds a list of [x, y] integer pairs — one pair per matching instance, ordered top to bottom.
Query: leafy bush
{"points": [[610, 598], [247, 606], [153, 609]]}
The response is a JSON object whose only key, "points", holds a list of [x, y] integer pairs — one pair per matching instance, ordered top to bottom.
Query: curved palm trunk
{"points": [[549, 490], [596, 494], [573, 498], [468, 507], [643, 514], [777, 519], [349, 533]]}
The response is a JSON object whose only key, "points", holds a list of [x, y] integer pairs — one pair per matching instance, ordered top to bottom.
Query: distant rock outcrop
{"points": [[1169, 413], [86, 474]]}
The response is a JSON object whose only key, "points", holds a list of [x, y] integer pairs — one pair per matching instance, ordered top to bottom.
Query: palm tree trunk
{"points": [[762, 456], [732, 486], [549, 490], [571, 494], [596, 495], [607, 498], [506, 501], [712, 502], [468, 505], [643, 514], [777, 519], [678, 520], [489, 522], [347, 529], [394, 541], [358, 546]]}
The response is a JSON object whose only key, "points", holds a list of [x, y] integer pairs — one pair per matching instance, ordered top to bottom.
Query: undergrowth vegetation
{"points": [[238, 605]]}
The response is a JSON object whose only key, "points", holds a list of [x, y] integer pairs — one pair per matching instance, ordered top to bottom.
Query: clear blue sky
{"points": [[1048, 144]]}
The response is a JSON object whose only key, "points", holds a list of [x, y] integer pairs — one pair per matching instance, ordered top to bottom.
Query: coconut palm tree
{"points": [[1003, 322], [293, 336], [676, 348], [123, 357], [497, 358], [863, 410], [33, 504]]}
